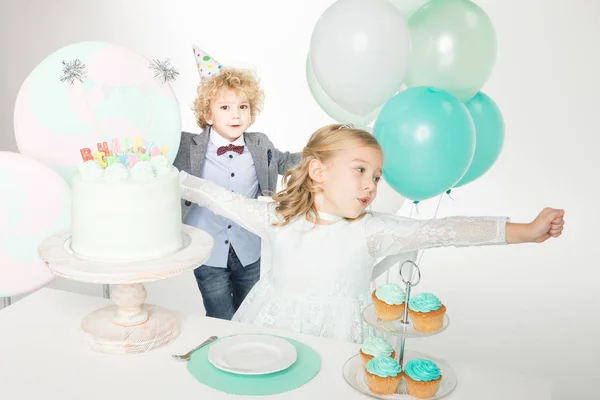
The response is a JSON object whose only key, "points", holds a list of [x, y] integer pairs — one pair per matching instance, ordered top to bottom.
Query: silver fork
{"points": [[188, 355]]}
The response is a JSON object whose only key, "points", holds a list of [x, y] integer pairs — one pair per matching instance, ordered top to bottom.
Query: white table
{"points": [[41, 356]]}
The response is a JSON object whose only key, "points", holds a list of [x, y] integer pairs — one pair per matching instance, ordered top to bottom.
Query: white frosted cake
{"points": [[125, 208]]}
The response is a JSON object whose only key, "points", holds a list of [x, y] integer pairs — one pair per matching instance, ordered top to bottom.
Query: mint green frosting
{"points": [[161, 165], [91, 170], [143, 170], [116, 172], [391, 293], [424, 302], [377, 346], [383, 366], [422, 370]]}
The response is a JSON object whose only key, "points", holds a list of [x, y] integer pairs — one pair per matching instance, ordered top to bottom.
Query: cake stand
{"points": [[131, 326], [353, 370]]}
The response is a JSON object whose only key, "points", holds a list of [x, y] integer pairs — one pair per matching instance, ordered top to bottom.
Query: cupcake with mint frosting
{"points": [[388, 301], [426, 312], [375, 346], [383, 375], [422, 378]]}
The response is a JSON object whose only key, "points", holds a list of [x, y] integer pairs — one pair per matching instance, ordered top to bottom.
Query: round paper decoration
{"points": [[91, 92], [35, 202]]}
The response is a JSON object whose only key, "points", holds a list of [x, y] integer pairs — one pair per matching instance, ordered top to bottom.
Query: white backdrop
{"points": [[540, 298]]}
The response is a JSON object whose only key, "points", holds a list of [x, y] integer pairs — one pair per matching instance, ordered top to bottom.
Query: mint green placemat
{"points": [[303, 370]]}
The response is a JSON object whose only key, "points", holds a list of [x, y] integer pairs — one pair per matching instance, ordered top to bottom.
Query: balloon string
{"points": [[414, 208], [437, 209]]}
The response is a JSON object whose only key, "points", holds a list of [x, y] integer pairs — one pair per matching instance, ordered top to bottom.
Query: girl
{"points": [[324, 244]]}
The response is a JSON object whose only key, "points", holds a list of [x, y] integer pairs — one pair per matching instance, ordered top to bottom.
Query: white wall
{"points": [[538, 299]]}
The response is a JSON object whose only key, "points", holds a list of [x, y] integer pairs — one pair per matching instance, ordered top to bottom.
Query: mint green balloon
{"points": [[453, 47], [331, 107], [489, 131], [428, 142]]}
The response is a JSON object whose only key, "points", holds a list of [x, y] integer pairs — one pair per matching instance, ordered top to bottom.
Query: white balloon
{"points": [[408, 7], [359, 53], [388, 200]]}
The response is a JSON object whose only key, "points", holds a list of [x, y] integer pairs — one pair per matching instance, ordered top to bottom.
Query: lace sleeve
{"points": [[253, 215], [391, 234]]}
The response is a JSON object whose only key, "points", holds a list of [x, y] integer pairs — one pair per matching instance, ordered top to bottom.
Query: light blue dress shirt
{"points": [[237, 173]]}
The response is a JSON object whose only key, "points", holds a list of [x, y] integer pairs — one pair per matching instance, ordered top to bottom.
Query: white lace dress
{"points": [[320, 277]]}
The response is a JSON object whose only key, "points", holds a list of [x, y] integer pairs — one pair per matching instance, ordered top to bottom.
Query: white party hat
{"points": [[207, 66]]}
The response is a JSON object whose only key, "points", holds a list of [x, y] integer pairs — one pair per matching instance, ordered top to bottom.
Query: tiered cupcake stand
{"points": [[130, 326], [402, 329]]}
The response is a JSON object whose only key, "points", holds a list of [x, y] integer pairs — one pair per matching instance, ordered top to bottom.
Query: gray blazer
{"points": [[268, 161]]}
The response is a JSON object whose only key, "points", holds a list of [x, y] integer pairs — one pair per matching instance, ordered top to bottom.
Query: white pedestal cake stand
{"points": [[130, 326]]}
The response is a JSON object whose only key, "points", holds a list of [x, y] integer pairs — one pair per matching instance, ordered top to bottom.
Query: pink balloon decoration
{"points": [[35, 203]]}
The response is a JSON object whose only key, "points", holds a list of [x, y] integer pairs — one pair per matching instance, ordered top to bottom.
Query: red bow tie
{"points": [[224, 149]]}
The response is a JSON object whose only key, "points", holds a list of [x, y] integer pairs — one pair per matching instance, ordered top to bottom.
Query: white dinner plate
{"points": [[252, 354]]}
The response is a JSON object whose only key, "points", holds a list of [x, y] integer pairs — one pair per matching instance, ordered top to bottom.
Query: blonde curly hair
{"points": [[242, 81], [298, 194]]}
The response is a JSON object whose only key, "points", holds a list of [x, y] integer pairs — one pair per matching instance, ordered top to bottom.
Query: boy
{"points": [[247, 163]]}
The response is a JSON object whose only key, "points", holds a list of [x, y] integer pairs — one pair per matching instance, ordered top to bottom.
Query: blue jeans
{"points": [[224, 289]]}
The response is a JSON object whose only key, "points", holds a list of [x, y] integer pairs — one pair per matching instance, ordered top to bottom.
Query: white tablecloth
{"points": [[41, 357]]}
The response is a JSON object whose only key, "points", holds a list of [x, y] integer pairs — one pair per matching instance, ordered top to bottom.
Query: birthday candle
{"points": [[137, 143], [125, 144], [148, 145], [116, 146], [103, 147], [164, 150], [155, 151], [86, 154], [98, 156], [144, 157], [123, 159], [133, 159], [110, 160]]}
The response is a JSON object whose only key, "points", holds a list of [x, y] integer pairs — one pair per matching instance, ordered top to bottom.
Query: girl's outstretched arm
{"points": [[253, 215]]}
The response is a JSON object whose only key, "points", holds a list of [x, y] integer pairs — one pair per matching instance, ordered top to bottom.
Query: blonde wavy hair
{"points": [[239, 80], [298, 194]]}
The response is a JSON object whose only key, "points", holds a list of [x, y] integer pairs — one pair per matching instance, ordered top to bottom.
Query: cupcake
{"points": [[388, 301], [427, 312], [375, 346], [383, 375], [422, 378]]}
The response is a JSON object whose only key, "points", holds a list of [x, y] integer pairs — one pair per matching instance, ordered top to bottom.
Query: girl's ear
{"points": [[315, 171]]}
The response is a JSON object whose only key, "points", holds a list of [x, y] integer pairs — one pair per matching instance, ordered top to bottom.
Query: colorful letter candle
{"points": [[137, 143], [125, 144], [116, 146], [148, 146], [103, 147], [164, 150], [155, 151], [86, 154], [99, 157], [144, 157], [123, 159], [133, 159], [110, 160]]}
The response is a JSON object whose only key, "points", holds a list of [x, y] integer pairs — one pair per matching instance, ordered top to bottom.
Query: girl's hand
{"points": [[549, 223]]}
